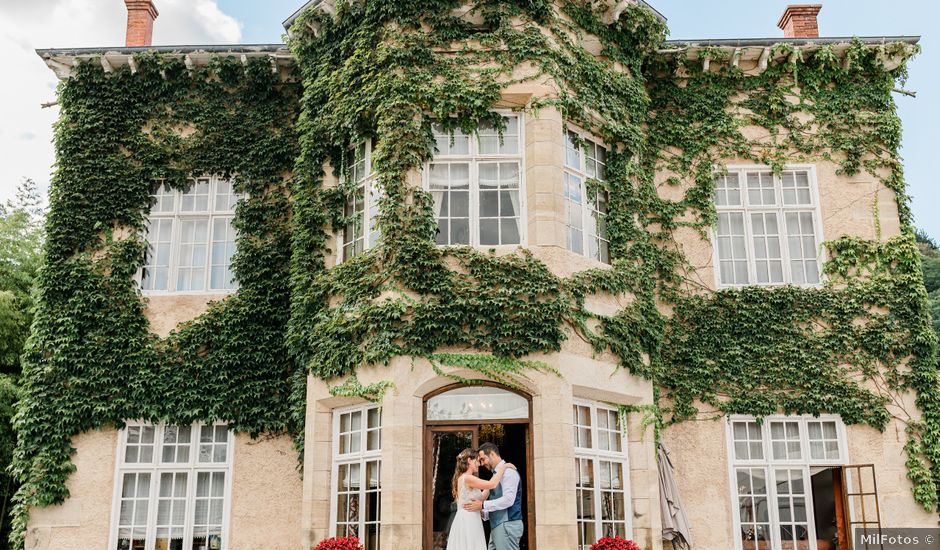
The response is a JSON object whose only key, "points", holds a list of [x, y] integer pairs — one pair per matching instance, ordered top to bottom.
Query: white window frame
{"points": [[474, 158], [370, 199], [587, 206], [780, 210], [210, 215], [596, 455], [361, 458], [769, 464], [157, 467]]}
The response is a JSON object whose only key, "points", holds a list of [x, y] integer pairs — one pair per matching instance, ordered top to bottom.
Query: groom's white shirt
{"points": [[509, 485]]}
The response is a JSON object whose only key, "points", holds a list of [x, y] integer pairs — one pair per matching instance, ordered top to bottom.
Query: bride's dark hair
{"points": [[463, 464]]}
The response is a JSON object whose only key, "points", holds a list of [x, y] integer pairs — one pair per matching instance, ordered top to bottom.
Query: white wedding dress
{"points": [[466, 532]]}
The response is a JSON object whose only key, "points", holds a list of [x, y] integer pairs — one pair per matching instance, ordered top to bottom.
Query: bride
{"points": [[466, 532]]}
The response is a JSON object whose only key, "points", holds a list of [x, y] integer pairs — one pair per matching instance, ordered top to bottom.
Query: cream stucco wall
{"points": [[857, 205], [886, 451], [700, 455], [266, 483], [266, 492], [82, 521]]}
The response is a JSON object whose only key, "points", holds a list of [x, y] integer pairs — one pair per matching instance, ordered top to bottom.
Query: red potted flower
{"points": [[340, 543], [615, 543]]}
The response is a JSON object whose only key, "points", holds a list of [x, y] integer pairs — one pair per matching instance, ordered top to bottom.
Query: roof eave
{"points": [[744, 42], [63, 61]]}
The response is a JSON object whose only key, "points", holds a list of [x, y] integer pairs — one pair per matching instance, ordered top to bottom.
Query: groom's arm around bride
{"points": [[504, 506]]}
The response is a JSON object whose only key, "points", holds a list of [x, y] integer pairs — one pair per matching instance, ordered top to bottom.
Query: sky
{"points": [[26, 129]]}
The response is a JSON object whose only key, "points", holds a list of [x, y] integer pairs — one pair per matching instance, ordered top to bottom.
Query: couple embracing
{"points": [[499, 499]]}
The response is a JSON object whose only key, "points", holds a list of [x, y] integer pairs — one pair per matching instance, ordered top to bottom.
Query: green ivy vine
{"points": [[387, 71], [91, 360]]}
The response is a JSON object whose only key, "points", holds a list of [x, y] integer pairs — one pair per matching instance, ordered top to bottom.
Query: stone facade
{"points": [[265, 496], [270, 496], [273, 506]]}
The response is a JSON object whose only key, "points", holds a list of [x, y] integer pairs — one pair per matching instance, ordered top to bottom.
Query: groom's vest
{"points": [[513, 513]]}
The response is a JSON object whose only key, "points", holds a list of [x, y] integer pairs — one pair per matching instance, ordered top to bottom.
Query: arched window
{"points": [[477, 403]]}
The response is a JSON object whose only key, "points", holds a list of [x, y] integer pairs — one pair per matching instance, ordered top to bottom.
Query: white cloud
{"points": [[25, 128]]}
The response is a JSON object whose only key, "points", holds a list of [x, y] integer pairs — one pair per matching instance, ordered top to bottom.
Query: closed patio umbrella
{"points": [[675, 522]]}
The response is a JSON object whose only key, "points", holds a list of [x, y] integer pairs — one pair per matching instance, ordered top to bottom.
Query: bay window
{"points": [[476, 182], [585, 203], [361, 206], [768, 228], [191, 238], [356, 474], [601, 474], [172, 488]]}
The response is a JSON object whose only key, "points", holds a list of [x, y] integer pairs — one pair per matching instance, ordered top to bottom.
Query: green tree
{"points": [[20, 259], [930, 264]]}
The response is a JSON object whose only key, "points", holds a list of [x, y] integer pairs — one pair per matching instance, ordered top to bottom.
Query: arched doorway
{"points": [[457, 417]]}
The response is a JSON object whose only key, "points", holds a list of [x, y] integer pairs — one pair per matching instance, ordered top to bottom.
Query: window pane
{"points": [[450, 143], [491, 143], [572, 155], [355, 168], [450, 186], [796, 188], [760, 189], [728, 190], [225, 197], [195, 198], [163, 199], [489, 203], [499, 210], [489, 232], [354, 234], [194, 237], [766, 240], [802, 246], [223, 248], [732, 250], [156, 270], [582, 425], [785, 440], [823, 440], [747, 441], [176, 444], [213, 444], [139, 446], [585, 497], [134, 508], [791, 508], [171, 510], [208, 510], [753, 510]]}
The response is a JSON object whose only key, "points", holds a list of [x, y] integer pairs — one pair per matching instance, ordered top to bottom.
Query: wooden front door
{"points": [[459, 417], [442, 445]]}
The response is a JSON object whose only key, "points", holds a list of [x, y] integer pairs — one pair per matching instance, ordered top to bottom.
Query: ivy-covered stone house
{"points": [[286, 284]]}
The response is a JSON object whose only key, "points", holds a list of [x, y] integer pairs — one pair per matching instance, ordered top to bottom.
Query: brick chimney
{"points": [[140, 17], [799, 21]]}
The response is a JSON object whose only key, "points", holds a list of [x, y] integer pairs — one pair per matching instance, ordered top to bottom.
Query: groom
{"points": [[504, 505]]}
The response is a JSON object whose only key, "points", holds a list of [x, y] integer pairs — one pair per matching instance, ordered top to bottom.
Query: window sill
{"points": [[769, 286], [167, 293]]}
